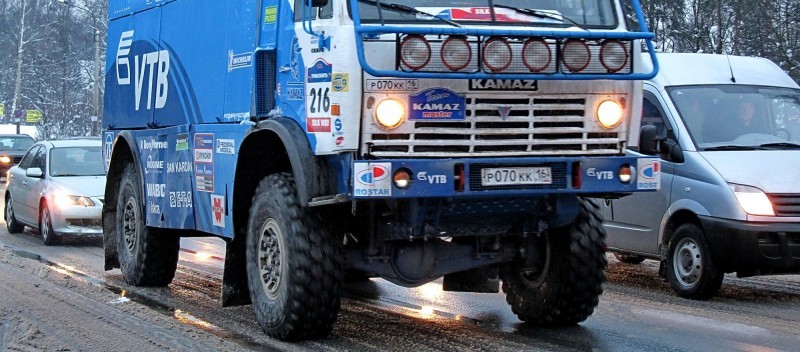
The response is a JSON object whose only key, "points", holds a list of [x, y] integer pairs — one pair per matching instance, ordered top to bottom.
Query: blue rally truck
{"points": [[339, 140]]}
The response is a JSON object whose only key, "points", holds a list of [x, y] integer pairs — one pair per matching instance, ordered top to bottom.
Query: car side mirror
{"points": [[649, 140], [34, 172]]}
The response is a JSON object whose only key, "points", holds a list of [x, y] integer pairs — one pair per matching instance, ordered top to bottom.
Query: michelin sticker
{"points": [[436, 104], [649, 174], [372, 180]]}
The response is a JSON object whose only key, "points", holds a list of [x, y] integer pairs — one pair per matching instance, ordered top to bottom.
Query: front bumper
{"points": [[595, 176], [77, 221], [753, 248]]}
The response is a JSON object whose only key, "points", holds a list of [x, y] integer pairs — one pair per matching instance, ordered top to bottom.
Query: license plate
{"points": [[510, 176]]}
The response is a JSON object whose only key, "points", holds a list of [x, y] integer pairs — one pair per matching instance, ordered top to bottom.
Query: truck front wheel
{"points": [[148, 256], [294, 265], [563, 284]]}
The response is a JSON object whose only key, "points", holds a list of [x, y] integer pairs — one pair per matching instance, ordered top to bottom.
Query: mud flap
{"points": [[234, 278]]}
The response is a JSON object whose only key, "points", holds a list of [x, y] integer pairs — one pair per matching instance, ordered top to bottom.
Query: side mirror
{"points": [[318, 3], [649, 141], [673, 151], [34, 172]]}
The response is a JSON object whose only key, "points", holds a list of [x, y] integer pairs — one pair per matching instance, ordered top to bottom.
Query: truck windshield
{"points": [[585, 13], [724, 117]]}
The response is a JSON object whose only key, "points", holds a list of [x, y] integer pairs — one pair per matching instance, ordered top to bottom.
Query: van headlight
{"points": [[390, 113], [609, 114], [752, 200]]}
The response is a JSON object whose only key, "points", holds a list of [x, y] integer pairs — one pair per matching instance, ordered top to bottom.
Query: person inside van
{"points": [[733, 121]]}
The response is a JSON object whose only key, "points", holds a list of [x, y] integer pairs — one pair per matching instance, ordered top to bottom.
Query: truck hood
{"points": [[772, 171]]}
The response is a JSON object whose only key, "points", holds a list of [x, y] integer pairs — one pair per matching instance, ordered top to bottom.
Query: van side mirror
{"points": [[319, 3], [649, 140], [672, 150]]}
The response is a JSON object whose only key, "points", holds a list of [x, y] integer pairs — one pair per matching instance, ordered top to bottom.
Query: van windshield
{"points": [[586, 13], [724, 117]]}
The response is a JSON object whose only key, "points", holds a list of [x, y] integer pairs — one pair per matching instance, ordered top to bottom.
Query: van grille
{"points": [[534, 126], [786, 204]]}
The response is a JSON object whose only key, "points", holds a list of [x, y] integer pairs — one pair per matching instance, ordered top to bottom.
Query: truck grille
{"points": [[533, 126], [786, 204]]}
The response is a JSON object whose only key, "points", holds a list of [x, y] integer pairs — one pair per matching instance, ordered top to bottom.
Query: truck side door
{"points": [[636, 219]]}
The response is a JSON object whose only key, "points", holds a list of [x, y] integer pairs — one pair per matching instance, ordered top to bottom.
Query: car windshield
{"points": [[585, 13], [725, 117], [15, 143], [76, 161]]}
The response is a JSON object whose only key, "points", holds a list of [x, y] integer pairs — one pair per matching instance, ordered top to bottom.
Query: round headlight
{"points": [[415, 52], [456, 53], [497, 54], [536, 55], [575, 55], [613, 55], [390, 113], [609, 114]]}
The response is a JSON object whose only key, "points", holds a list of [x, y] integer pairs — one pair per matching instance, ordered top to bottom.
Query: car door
{"points": [[20, 186], [636, 219]]}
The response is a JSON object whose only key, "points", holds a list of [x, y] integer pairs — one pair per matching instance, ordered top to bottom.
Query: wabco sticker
{"points": [[320, 71], [341, 82], [504, 84], [391, 85], [436, 104], [649, 174], [372, 180], [218, 210]]}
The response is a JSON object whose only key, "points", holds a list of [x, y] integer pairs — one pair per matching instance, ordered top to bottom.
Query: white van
{"points": [[730, 196]]}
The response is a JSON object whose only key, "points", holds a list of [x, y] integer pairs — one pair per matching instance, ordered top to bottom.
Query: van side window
{"points": [[653, 115]]}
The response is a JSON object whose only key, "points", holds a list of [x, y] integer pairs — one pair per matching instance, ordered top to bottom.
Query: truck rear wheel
{"points": [[147, 256], [294, 265], [563, 286]]}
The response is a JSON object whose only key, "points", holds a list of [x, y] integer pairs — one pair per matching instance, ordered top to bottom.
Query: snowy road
{"points": [[60, 298]]}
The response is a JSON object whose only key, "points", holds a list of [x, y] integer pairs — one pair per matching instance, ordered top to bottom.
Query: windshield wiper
{"points": [[406, 9], [541, 14], [781, 145], [733, 147]]}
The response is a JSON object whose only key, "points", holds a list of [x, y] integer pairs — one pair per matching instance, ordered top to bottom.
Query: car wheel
{"points": [[12, 224], [46, 232], [148, 256], [629, 258], [294, 264], [690, 269], [561, 284]]}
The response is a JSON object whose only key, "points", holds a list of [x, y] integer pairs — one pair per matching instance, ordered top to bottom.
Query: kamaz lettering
{"points": [[440, 107]]}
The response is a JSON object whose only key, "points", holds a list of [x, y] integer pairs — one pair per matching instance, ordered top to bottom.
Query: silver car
{"points": [[730, 186], [58, 189]]}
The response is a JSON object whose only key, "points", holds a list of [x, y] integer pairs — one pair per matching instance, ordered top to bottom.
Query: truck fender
{"points": [[123, 151]]}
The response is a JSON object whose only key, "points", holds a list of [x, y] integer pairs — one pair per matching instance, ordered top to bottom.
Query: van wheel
{"points": [[12, 224], [148, 256], [629, 258], [294, 264], [690, 269], [562, 284]]}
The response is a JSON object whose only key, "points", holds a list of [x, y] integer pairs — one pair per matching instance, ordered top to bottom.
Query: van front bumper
{"points": [[751, 248]]}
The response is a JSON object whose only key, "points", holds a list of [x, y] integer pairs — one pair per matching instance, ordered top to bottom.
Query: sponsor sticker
{"points": [[270, 14], [239, 60], [320, 71], [341, 82], [436, 104], [318, 124], [182, 142], [108, 144], [226, 146], [204, 161], [648, 174], [372, 179], [180, 199], [218, 210]]}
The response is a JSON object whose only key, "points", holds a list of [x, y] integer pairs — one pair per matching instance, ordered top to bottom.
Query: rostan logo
{"points": [[372, 175]]}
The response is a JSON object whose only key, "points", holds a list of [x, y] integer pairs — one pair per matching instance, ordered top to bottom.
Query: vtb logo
{"points": [[151, 68]]}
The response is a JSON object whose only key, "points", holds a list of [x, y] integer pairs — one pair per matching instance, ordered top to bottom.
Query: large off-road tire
{"points": [[12, 224], [46, 233], [147, 256], [629, 258], [294, 264], [690, 269], [563, 284]]}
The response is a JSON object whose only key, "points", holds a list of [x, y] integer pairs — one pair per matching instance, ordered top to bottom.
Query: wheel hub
{"points": [[129, 223], [44, 226], [687, 262], [270, 263]]}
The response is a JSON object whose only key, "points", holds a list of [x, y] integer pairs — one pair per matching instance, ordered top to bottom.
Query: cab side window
{"points": [[325, 12], [26, 161]]}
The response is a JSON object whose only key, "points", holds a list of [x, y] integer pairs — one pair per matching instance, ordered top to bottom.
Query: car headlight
{"points": [[390, 113], [609, 114], [5, 159], [65, 200], [752, 200]]}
